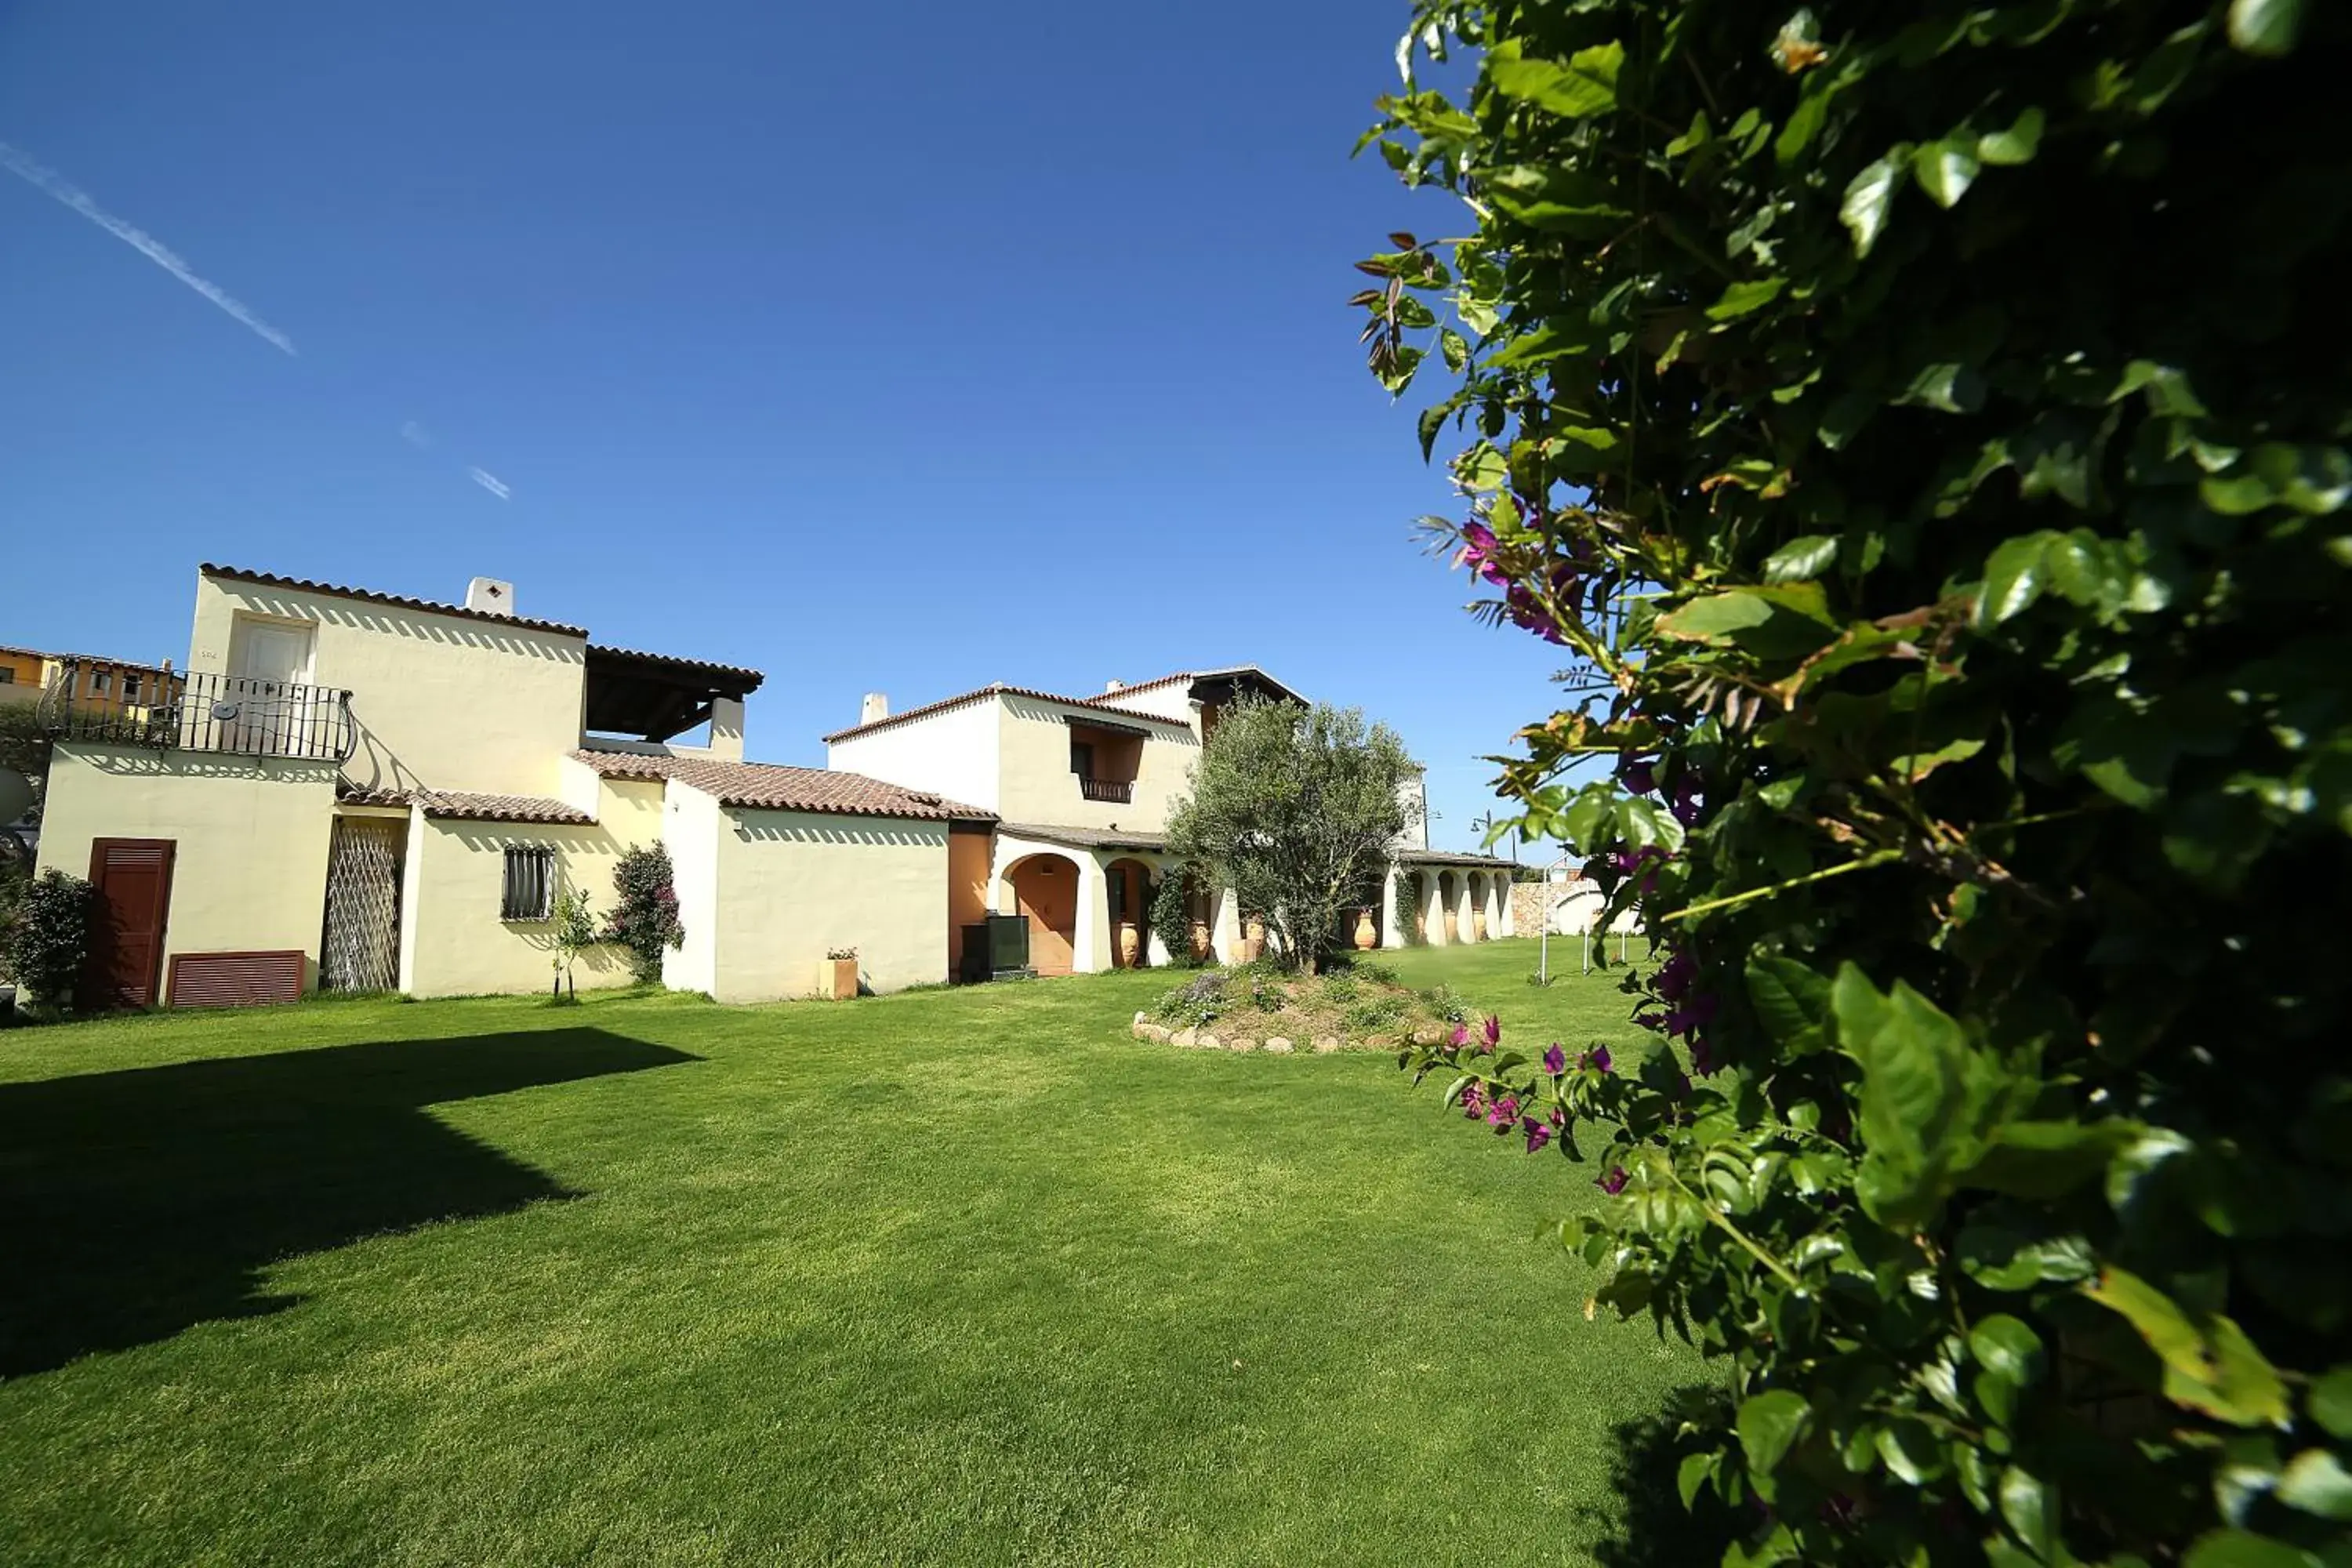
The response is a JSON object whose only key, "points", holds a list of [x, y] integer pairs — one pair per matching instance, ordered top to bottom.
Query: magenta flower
{"points": [[1479, 554], [1526, 611], [1635, 775], [1685, 803], [1674, 976], [1652, 1020], [1492, 1028], [1460, 1036], [1703, 1058], [1555, 1059], [1597, 1059], [1473, 1101], [1503, 1112], [1557, 1118], [1538, 1134], [1613, 1183]]}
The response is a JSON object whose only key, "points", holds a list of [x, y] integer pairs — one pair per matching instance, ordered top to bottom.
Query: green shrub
{"points": [[1925, 427], [1172, 917], [48, 936], [1340, 985], [1373, 1014]]}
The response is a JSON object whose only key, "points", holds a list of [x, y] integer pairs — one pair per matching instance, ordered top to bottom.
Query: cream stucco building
{"points": [[351, 789]]}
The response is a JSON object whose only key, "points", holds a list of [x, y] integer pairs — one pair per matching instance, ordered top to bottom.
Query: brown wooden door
{"points": [[134, 877], [1047, 889]]}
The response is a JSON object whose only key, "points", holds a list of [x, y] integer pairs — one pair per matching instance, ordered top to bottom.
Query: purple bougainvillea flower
{"points": [[1479, 554], [1635, 774], [1685, 803], [1674, 976], [1650, 1020], [1493, 1029], [1460, 1036], [1703, 1058], [1555, 1059], [1597, 1059], [1682, 1086], [1473, 1101], [1505, 1112], [1558, 1117], [1538, 1134], [1613, 1183]]}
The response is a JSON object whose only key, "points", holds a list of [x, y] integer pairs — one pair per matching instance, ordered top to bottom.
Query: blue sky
{"points": [[982, 345]]}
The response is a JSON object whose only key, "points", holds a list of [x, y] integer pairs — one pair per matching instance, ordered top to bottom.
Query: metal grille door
{"points": [[361, 951]]}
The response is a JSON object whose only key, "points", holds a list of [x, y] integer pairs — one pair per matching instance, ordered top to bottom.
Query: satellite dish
{"points": [[15, 794]]}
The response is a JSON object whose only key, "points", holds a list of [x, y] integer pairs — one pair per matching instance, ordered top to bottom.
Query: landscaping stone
{"points": [[1156, 1033], [1429, 1035], [1187, 1038], [1207, 1041], [1241, 1043], [1325, 1044], [1278, 1046]]}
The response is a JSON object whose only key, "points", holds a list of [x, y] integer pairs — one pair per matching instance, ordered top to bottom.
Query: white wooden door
{"points": [[266, 664]]}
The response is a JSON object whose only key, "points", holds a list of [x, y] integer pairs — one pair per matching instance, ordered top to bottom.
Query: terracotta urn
{"points": [[1477, 925], [1367, 937], [1200, 942], [1131, 943]]}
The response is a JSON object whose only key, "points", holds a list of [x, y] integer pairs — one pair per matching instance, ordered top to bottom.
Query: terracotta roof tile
{"points": [[369, 595], [701, 666], [1189, 676], [1001, 689], [772, 786], [468, 804]]}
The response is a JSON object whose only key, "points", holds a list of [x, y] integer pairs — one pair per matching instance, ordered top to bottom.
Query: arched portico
{"points": [[1044, 885]]}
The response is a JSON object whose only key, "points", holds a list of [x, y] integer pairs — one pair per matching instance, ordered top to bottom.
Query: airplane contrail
{"points": [[55, 185], [490, 482]]}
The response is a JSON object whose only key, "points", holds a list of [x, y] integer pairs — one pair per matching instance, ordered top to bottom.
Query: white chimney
{"points": [[490, 596], [1111, 686], [876, 707]]}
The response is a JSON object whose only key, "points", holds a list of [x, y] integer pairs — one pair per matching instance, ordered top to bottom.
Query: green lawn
{"points": [[961, 1277]]}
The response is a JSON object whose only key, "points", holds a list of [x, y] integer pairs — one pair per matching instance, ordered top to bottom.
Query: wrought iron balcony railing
{"points": [[199, 711], [1120, 792]]}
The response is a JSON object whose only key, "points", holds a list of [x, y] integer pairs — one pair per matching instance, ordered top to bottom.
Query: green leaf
{"points": [[2265, 26], [1586, 85], [1699, 134], [2015, 145], [1945, 169], [1871, 197], [1556, 199], [1745, 298], [1455, 349], [1954, 388], [1801, 559], [2013, 579], [1782, 621], [1791, 1002], [1926, 1096], [2047, 1159], [2001, 1259], [2008, 1348], [2208, 1365], [2331, 1401], [1770, 1425], [1909, 1452], [1696, 1471], [2315, 1482], [2031, 1508], [2244, 1549]]}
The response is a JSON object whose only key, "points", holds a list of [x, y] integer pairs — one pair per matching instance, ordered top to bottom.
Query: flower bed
{"points": [[1254, 1007]]}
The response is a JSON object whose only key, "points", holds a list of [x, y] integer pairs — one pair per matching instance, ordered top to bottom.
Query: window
{"points": [[8, 675], [102, 683], [130, 687], [1082, 758], [530, 884]]}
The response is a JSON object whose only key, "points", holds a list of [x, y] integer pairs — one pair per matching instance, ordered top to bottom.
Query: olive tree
{"points": [[1297, 810]]}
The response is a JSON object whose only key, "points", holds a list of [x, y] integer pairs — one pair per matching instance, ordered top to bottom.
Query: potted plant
{"points": [[838, 979]]}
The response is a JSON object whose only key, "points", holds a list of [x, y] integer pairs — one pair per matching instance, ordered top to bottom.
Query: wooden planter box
{"points": [[837, 979]]}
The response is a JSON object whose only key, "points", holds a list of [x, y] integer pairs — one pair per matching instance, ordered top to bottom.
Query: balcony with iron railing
{"points": [[237, 715], [1118, 792]]}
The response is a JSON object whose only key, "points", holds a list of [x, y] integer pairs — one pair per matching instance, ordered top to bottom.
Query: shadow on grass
{"points": [[133, 1204], [1651, 1529]]}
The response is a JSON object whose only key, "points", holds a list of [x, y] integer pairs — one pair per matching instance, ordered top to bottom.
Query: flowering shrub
{"points": [[1923, 429], [645, 913]]}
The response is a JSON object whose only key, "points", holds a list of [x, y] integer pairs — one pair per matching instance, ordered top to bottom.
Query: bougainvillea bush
{"points": [[1922, 428], [645, 917]]}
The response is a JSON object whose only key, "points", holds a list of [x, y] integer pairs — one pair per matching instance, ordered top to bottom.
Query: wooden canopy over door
{"points": [[134, 878]]}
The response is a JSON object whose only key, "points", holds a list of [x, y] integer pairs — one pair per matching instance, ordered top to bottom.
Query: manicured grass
{"points": [[959, 1277]]}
